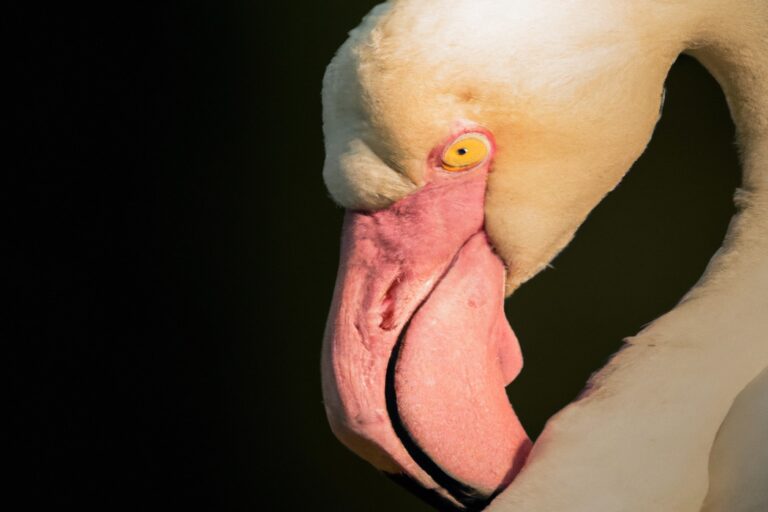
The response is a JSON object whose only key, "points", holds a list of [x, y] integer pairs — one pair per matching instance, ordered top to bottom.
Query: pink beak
{"points": [[417, 349]]}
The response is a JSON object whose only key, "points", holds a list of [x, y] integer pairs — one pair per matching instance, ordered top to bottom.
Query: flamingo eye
{"points": [[465, 152]]}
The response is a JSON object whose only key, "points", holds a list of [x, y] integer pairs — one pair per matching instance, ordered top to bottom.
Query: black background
{"points": [[172, 251]]}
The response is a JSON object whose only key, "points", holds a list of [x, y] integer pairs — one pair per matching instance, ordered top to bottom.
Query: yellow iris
{"points": [[466, 152]]}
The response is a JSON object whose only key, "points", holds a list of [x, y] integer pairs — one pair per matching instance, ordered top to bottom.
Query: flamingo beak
{"points": [[417, 349]]}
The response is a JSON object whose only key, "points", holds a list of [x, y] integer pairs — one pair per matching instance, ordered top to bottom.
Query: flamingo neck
{"points": [[731, 298], [641, 438]]}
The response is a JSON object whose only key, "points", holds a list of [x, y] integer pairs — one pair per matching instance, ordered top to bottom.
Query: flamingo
{"points": [[468, 140]]}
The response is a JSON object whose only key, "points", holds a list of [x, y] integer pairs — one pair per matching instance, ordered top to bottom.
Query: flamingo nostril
{"points": [[388, 321]]}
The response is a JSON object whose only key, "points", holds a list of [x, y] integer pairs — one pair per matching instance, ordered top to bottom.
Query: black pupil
{"points": [[462, 151]]}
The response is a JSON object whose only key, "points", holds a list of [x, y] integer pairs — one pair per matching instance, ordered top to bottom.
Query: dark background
{"points": [[172, 253]]}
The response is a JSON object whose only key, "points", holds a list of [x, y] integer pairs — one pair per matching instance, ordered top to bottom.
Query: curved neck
{"points": [[731, 41], [734, 48], [723, 318], [647, 425]]}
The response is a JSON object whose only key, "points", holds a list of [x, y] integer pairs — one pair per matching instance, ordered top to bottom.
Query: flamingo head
{"points": [[468, 141]]}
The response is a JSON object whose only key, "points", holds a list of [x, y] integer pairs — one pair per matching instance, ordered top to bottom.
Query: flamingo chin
{"points": [[418, 349]]}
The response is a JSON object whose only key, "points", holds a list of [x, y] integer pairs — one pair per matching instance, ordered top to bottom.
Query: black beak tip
{"points": [[437, 501]]}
